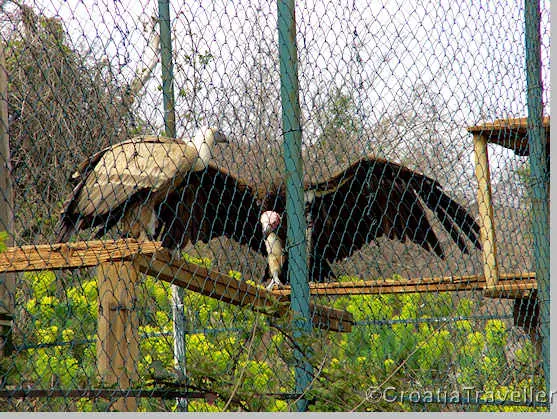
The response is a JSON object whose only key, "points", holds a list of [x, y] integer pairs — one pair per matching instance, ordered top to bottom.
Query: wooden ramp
{"points": [[151, 259], [226, 288]]}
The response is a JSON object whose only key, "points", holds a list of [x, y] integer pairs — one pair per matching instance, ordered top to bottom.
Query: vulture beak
{"points": [[219, 136], [270, 220], [266, 230]]}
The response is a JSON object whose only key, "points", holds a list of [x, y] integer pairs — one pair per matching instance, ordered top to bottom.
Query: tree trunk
{"points": [[7, 281]]}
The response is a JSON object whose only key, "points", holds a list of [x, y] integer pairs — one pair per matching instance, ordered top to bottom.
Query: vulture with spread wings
{"points": [[370, 199], [201, 205]]}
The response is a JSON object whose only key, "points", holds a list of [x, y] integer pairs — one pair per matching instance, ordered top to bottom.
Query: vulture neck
{"points": [[203, 143]]}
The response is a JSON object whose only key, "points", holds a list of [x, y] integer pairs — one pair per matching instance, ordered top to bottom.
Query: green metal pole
{"points": [[167, 69], [170, 130], [539, 172], [296, 237]]}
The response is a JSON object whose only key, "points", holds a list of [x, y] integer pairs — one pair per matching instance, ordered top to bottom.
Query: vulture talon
{"points": [[275, 281]]}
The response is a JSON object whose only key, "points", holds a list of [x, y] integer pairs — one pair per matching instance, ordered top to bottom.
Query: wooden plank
{"points": [[511, 133], [485, 208], [72, 255], [164, 266], [508, 285], [514, 289], [117, 329]]}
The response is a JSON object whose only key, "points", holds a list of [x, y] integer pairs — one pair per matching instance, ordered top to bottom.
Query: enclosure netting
{"points": [[394, 80]]}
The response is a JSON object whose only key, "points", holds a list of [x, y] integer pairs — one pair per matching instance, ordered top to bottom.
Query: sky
{"points": [[469, 52], [469, 55]]}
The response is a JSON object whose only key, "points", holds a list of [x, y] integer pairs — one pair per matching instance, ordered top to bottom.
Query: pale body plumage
{"points": [[126, 181], [275, 258]]}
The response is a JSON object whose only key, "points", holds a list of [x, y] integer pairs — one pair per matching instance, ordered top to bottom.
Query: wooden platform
{"points": [[510, 133]]}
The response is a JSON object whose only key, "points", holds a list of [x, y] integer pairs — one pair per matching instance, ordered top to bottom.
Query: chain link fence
{"points": [[387, 93]]}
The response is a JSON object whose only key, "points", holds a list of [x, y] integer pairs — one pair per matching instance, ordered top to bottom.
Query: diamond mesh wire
{"points": [[398, 80]]}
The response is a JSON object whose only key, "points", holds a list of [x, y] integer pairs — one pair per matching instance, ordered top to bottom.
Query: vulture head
{"points": [[204, 140], [270, 220]]}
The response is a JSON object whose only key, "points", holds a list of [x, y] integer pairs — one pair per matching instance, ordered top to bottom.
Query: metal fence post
{"points": [[167, 68], [170, 130], [539, 172], [296, 239]]}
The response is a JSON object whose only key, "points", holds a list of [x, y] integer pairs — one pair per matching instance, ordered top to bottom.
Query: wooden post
{"points": [[485, 208], [7, 280], [118, 339]]}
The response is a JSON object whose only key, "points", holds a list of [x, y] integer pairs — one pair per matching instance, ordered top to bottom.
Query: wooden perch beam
{"points": [[152, 259], [509, 286], [225, 288]]}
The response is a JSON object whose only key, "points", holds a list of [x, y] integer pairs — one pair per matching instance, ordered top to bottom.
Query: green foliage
{"points": [[340, 115], [524, 173], [3, 239], [205, 262], [399, 342], [59, 349], [416, 354]]}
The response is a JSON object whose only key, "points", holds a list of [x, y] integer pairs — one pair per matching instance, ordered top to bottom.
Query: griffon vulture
{"points": [[127, 182], [371, 198]]}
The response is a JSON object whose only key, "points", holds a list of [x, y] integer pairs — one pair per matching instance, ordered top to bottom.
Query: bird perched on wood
{"points": [[126, 183], [370, 199]]}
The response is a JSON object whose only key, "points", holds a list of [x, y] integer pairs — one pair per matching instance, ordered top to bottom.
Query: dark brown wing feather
{"points": [[375, 198], [370, 199], [211, 203], [70, 220]]}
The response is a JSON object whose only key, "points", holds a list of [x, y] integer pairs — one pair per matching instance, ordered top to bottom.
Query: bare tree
{"points": [[64, 106]]}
